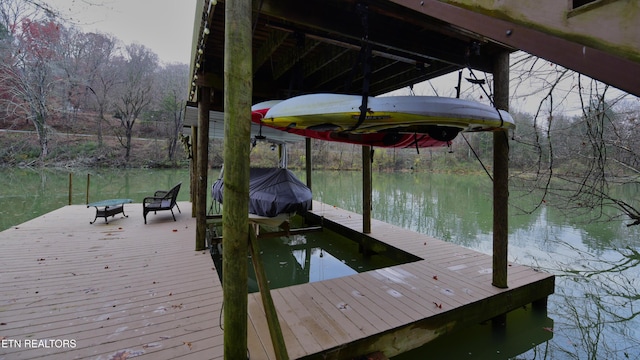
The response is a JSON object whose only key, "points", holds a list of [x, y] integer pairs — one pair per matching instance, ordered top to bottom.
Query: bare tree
{"points": [[13, 11], [78, 53], [103, 62], [28, 74], [134, 90], [171, 101], [583, 144]]}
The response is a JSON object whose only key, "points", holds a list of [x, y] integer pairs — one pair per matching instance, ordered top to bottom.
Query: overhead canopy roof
{"points": [[318, 46]]}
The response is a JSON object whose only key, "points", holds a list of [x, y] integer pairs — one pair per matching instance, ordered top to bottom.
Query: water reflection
{"points": [[312, 257], [596, 262], [596, 303], [526, 329]]}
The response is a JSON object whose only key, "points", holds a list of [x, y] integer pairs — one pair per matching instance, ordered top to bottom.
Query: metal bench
{"points": [[161, 200]]}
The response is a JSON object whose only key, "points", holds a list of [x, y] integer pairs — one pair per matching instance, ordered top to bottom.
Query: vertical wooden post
{"points": [[237, 137], [308, 163], [202, 167], [193, 172], [501, 175], [88, 183], [70, 188], [366, 189], [275, 331]]}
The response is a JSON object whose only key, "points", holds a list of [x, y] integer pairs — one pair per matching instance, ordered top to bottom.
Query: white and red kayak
{"points": [[401, 114], [377, 139]]}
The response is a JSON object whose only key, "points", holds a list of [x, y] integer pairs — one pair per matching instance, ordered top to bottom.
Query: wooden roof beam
{"points": [[344, 29], [273, 41], [326, 59], [597, 64], [284, 65], [328, 74]]}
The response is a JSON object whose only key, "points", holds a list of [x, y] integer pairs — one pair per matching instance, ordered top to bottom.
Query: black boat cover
{"points": [[272, 191]]}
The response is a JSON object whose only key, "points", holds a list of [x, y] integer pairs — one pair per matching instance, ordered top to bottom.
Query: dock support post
{"points": [[238, 90], [309, 164], [202, 167], [193, 172], [501, 174], [88, 182], [70, 188], [366, 189], [277, 340]]}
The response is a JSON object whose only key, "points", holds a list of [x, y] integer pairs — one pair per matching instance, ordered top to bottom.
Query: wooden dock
{"points": [[126, 289], [117, 290], [396, 308]]}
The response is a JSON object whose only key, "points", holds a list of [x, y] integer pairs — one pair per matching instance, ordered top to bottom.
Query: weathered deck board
{"points": [[450, 285], [117, 288], [130, 289]]}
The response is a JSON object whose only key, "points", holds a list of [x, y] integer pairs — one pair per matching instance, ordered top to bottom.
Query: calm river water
{"points": [[592, 314]]}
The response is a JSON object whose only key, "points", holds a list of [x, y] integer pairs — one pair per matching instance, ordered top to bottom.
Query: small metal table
{"points": [[111, 207]]}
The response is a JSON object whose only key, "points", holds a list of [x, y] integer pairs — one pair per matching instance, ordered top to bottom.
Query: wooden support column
{"points": [[237, 138], [308, 164], [202, 167], [501, 175], [193, 180], [88, 187], [71, 188], [366, 189], [275, 331]]}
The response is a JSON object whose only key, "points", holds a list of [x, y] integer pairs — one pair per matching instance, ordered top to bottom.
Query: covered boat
{"points": [[272, 192]]}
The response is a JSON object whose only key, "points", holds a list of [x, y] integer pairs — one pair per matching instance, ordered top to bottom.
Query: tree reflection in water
{"points": [[596, 302], [597, 307], [594, 309]]}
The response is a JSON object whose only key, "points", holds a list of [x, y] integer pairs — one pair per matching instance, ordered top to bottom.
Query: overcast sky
{"points": [[164, 26]]}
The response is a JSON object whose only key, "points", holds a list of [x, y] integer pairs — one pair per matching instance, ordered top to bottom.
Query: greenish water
{"points": [[28, 193], [315, 256], [595, 307], [592, 315]]}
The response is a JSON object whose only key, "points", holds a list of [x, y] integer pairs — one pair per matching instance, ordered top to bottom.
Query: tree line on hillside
{"points": [[55, 74]]}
